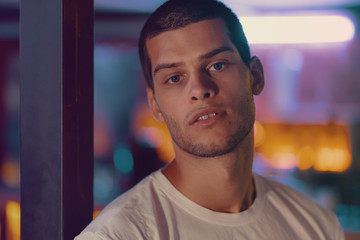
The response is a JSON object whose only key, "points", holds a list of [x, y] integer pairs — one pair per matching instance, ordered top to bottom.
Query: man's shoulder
{"points": [[276, 189], [277, 192], [294, 207], [123, 217]]}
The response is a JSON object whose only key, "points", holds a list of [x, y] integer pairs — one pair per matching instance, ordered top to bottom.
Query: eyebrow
{"points": [[215, 52], [202, 57], [166, 65]]}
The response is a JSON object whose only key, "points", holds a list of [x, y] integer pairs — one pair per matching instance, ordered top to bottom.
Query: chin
{"points": [[209, 149]]}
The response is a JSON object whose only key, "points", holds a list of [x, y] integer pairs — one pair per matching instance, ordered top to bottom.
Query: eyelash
{"points": [[217, 63], [170, 79]]}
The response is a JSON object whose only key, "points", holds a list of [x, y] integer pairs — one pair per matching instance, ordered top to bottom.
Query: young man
{"points": [[201, 83]]}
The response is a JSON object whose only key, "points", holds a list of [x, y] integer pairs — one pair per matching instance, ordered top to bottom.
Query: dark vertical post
{"points": [[56, 50], [78, 163]]}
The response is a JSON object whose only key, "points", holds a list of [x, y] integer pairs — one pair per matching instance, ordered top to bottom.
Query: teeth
{"points": [[206, 116]]}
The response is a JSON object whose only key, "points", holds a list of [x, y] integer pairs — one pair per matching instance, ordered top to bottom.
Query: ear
{"points": [[257, 75], [154, 107]]}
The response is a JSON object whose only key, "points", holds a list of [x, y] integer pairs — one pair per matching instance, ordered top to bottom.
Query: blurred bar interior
{"points": [[307, 132]]}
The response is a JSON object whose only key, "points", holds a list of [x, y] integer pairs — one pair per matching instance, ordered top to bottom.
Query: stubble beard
{"points": [[215, 148]]}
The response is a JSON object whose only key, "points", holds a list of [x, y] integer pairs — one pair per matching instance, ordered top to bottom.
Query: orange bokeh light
{"points": [[157, 133], [323, 147], [12, 216]]}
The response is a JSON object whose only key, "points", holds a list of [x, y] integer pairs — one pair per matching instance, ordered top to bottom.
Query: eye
{"points": [[217, 66], [174, 79]]}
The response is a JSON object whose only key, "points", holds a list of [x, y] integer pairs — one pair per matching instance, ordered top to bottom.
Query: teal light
{"points": [[123, 160]]}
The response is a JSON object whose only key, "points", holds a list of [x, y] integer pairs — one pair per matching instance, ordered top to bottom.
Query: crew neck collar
{"points": [[208, 215]]}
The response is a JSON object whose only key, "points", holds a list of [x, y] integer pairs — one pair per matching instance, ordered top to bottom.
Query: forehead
{"points": [[191, 40]]}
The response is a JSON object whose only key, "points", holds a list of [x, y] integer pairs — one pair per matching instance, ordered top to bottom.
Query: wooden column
{"points": [[56, 52]]}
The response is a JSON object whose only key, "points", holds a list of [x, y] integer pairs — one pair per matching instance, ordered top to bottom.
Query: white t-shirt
{"points": [[155, 209]]}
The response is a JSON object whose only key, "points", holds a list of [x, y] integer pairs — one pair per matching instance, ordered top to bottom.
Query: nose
{"points": [[202, 87]]}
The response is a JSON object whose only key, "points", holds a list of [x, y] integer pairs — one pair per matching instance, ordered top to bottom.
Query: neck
{"points": [[222, 183]]}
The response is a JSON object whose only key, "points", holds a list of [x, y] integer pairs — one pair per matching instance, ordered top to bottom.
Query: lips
{"points": [[204, 114]]}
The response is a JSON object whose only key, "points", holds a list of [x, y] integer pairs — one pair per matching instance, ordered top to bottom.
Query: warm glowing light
{"points": [[298, 29], [154, 132], [259, 134], [321, 147], [165, 150], [284, 157], [306, 157], [332, 160], [283, 161], [9, 172], [95, 213], [12, 214], [12, 218]]}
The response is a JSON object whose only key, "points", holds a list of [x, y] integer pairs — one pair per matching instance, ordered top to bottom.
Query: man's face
{"points": [[202, 88]]}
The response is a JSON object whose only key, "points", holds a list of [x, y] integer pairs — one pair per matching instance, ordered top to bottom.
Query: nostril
{"points": [[201, 95]]}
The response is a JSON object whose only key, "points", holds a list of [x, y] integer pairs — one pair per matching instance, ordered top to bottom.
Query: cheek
{"points": [[236, 80], [237, 93], [241, 100], [171, 101], [164, 103], [170, 106]]}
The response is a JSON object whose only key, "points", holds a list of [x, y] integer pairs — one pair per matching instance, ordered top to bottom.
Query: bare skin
{"points": [[204, 93]]}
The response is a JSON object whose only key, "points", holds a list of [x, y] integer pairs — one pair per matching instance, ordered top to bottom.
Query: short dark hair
{"points": [[175, 14]]}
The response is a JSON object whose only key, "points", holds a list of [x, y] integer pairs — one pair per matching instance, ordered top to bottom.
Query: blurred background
{"points": [[307, 132]]}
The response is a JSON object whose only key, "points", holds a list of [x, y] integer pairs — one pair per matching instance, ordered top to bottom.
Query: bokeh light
{"points": [[298, 29], [156, 134], [259, 134], [323, 147], [306, 157], [332, 159], [123, 160], [10, 172], [12, 215]]}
